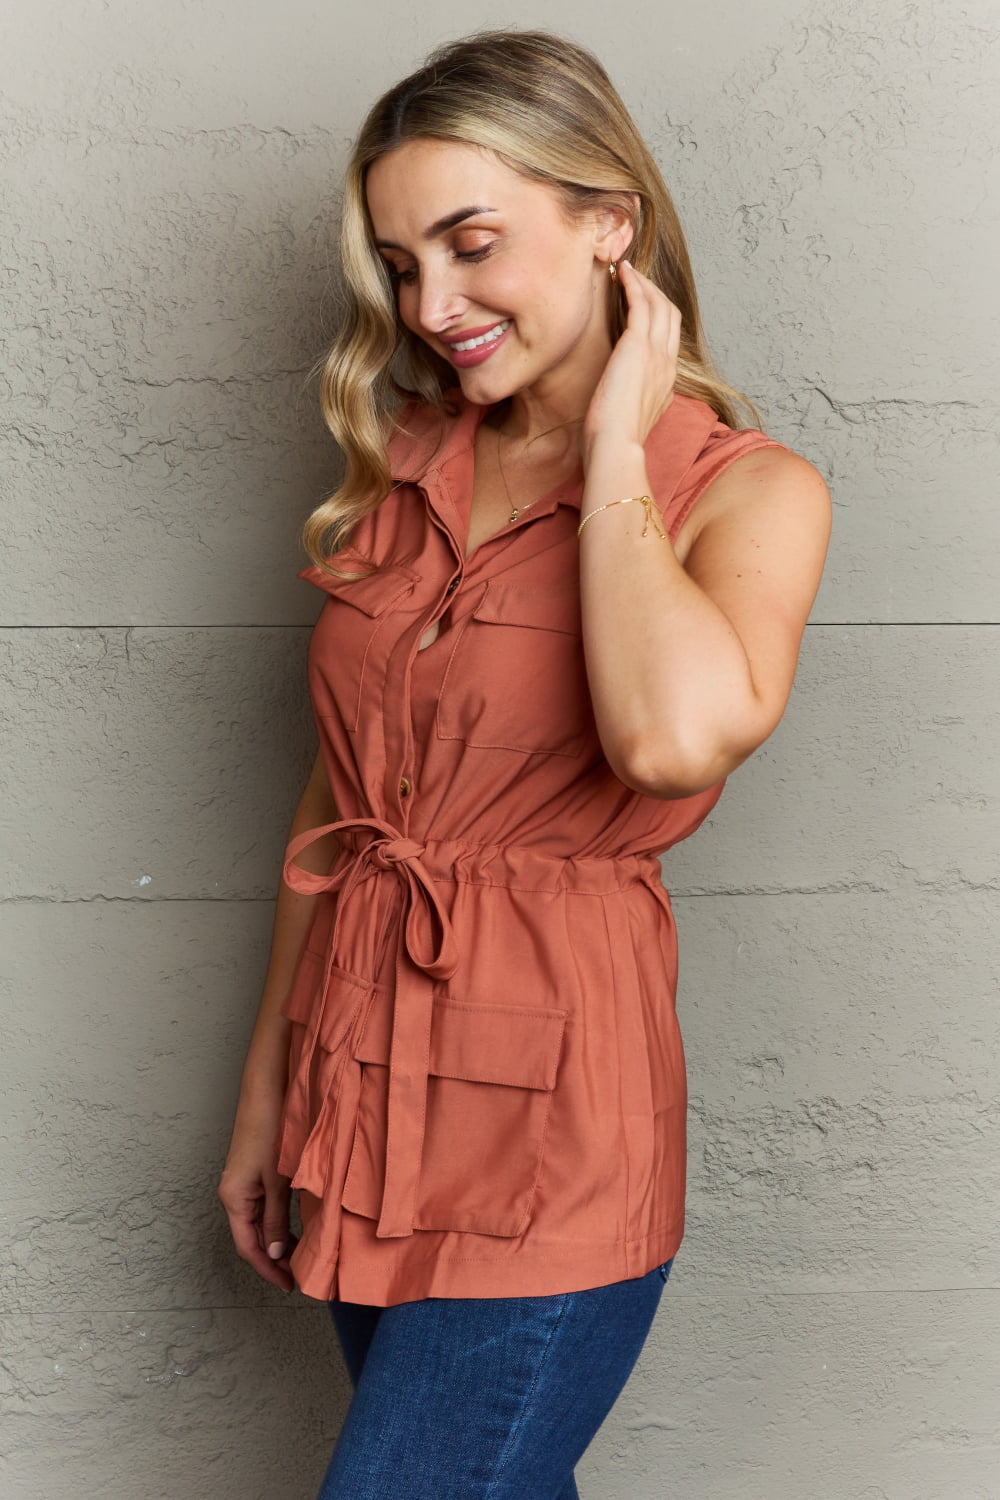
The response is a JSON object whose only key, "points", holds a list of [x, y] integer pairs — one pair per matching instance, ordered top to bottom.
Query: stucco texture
{"points": [[168, 202]]}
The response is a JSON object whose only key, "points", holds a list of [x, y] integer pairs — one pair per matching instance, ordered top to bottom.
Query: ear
{"points": [[614, 227]]}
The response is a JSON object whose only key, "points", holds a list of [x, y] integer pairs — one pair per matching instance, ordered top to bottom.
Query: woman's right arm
{"points": [[254, 1196]]}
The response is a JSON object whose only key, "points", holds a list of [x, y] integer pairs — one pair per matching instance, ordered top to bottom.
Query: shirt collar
{"points": [[425, 440], [417, 457]]}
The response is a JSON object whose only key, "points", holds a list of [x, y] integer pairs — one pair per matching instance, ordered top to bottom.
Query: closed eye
{"points": [[410, 274]]}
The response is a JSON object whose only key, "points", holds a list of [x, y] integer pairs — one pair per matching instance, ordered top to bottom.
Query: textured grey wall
{"points": [[170, 183]]}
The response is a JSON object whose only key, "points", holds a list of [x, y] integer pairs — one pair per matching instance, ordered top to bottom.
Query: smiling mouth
{"points": [[485, 338]]}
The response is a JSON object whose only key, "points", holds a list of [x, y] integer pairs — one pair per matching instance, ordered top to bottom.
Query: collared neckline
{"points": [[444, 470]]}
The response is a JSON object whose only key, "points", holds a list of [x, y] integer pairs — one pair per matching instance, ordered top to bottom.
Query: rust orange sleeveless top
{"points": [[487, 1092]]}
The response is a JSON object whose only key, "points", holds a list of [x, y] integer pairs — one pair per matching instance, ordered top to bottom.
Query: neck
{"points": [[558, 401]]}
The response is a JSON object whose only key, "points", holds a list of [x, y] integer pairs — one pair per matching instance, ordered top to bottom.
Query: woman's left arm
{"points": [[690, 667]]}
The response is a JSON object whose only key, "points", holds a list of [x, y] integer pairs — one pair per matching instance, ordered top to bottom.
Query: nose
{"points": [[440, 303]]}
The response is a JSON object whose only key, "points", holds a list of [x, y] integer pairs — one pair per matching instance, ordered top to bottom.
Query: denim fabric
{"points": [[483, 1398]]}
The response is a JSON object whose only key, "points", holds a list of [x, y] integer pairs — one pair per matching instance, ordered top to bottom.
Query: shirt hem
{"points": [[573, 1269]]}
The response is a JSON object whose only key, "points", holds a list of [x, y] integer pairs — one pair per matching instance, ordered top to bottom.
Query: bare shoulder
{"points": [[773, 487]]}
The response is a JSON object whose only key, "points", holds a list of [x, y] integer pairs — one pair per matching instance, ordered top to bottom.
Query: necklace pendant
{"points": [[512, 517]]}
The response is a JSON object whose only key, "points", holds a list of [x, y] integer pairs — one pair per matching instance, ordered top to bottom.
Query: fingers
{"points": [[636, 297], [664, 312], [652, 317], [657, 321], [258, 1219], [274, 1232]]}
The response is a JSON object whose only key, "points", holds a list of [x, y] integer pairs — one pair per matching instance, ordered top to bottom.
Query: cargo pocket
{"points": [[346, 635], [516, 678], [303, 993], [297, 1006], [315, 1076], [489, 1091]]}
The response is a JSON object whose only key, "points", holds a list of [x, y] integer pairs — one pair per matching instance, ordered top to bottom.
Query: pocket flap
{"points": [[373, 593], [534, 605], [301, 997], [509, 1044]]}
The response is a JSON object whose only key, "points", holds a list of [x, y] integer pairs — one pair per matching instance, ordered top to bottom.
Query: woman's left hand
{"points": [[637, 385]]}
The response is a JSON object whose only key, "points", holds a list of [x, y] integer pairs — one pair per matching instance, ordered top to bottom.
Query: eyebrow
{"points": [[440, 226]]}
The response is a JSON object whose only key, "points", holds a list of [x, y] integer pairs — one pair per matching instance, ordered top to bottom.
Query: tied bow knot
{"points": [[387, 852]]}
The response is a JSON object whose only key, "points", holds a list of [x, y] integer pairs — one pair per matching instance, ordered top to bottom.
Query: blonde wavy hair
{"points": [[548, 110]]}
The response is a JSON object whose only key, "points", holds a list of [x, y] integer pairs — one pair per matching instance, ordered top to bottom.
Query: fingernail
{"points": [[277, 1250]]}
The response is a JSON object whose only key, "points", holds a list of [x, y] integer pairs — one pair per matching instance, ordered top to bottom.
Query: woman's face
{"points": [[478, 252]]}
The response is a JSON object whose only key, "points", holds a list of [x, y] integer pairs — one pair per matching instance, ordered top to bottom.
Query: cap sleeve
{"points": [[722, 448]]}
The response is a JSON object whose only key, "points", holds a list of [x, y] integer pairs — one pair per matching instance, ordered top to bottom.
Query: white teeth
{"points": [[486, 338]]}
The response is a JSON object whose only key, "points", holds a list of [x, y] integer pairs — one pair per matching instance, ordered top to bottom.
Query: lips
{"points": [[464, 334], [464, 358]]}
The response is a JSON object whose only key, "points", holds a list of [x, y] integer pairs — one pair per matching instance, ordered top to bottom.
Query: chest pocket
{"points": [[351, 638], [516, 678]]}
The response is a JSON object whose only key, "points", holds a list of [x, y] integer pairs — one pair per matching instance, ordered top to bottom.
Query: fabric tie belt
{"points": [[425, 951]]}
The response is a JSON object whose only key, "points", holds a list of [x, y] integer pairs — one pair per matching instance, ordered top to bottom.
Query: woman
{"points": [[566, 594]]}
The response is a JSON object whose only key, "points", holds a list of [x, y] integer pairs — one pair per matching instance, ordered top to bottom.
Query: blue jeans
{"points": [[483, 1398]]}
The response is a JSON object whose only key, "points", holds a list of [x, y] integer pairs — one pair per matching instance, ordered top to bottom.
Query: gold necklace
{"points": [[516, 510]]}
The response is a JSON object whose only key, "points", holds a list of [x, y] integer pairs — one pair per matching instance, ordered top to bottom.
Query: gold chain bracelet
{"points": [[645, 500]]}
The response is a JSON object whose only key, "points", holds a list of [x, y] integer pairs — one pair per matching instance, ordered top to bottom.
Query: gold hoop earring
{"points": [[613, 268]]}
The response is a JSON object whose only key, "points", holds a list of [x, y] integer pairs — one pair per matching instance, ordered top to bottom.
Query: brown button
{"points": [[405, 788]]}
